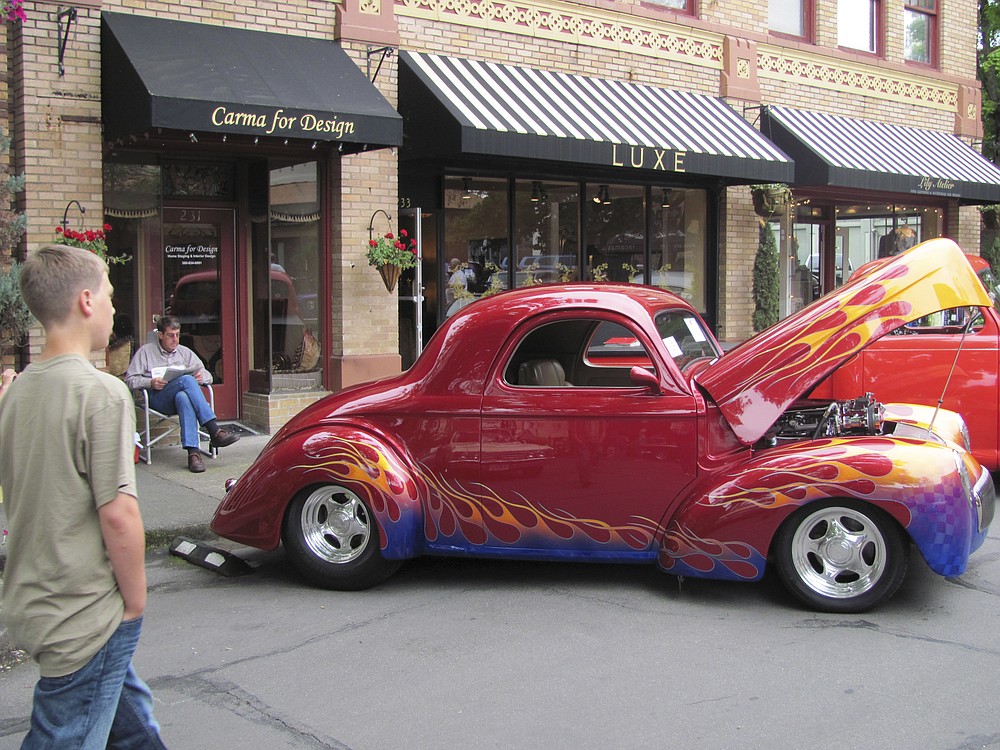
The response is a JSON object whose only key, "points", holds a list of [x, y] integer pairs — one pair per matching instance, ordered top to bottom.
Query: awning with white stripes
{"points": [[457, 105], [853, 153]]}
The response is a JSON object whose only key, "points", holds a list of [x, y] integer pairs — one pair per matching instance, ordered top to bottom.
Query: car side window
{"points": [[952, 321], [586, 352]]}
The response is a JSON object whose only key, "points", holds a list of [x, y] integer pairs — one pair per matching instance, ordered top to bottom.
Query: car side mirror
{"points": [[645, 378]]}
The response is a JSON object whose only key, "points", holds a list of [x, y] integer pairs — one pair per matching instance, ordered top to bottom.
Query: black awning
{"points": [[176, 75], [467, 106], [853, 153]]}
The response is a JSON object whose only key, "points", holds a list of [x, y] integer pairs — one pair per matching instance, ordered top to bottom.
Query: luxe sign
{"points": [[280, 122], [647, 157]]}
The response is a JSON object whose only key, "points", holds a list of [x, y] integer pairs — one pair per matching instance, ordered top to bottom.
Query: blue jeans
{"points": [[183, 396], [104, 704]]}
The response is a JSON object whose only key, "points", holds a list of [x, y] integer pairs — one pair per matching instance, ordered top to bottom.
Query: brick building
{"points": [[245, 154]]}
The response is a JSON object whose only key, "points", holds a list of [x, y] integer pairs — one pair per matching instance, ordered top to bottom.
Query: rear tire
{"points": [[332, 539], [841, 556]]}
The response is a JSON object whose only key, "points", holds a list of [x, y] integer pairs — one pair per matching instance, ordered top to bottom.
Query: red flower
{"points": [[373, 243]]}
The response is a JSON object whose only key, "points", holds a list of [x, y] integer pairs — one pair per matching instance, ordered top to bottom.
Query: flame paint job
{"points": [[758, 380], [454, 459]]}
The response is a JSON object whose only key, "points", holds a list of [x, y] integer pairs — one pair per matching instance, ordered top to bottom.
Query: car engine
{"points": [[816, 419]]}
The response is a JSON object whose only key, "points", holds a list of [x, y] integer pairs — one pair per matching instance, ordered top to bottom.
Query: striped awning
{"points": [[476, 107], [853, 153]]}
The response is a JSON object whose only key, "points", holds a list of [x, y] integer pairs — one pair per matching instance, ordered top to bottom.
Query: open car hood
{"points": [[755, 382]]}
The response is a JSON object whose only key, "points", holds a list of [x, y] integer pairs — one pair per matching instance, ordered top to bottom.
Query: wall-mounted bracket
{"points": [[69, 16], [372, 51]]}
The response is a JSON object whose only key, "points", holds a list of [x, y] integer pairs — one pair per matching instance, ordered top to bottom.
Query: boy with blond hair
{"points": [[75, 578]]}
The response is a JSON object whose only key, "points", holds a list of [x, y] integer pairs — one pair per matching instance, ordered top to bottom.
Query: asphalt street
{"points": [[488, 654]]}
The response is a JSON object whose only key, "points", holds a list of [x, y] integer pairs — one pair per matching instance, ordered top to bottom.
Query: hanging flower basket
{"points": [[772, 199], [94, 240], [391, 256], [390, 275]]}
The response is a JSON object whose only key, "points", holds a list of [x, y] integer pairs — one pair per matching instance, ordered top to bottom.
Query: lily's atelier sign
{"points": [[280, 122], [935, 186]]}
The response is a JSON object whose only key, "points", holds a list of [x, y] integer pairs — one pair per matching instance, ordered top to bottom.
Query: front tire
{"points": [[332, 539], [841, 556]]}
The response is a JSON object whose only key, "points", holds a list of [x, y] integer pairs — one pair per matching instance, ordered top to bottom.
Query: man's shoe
{"points": [[222, 438], [195, 464]]}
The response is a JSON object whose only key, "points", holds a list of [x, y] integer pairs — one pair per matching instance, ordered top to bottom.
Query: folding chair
{"points": [[170, 423]]}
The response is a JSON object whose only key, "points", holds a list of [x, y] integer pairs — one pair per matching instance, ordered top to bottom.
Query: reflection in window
{"points": [[919, 18], [857, 24], [132, 202], [546, 218], [615, 218], [677, 247], [476, 249], [292, 260]]}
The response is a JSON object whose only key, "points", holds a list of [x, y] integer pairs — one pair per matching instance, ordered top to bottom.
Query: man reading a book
{"points": [[172, 374]]}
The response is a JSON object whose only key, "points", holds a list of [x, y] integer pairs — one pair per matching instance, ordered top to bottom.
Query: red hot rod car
{"points": [[599, 422]]}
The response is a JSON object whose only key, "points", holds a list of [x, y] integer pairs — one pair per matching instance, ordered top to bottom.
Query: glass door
{"points": [[200, 290]]}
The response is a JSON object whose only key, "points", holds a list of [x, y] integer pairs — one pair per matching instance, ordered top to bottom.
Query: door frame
{"points": [[226, 393]]}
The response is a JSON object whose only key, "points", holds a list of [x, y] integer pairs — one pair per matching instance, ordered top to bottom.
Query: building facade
{"points": [[244, 156]]}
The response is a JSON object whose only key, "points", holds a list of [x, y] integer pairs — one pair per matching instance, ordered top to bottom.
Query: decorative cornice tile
{"points": [[577, 24], [588, 25], [858, 79]]}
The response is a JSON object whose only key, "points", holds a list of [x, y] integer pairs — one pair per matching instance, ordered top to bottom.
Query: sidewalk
{"points": [[173, 500]]}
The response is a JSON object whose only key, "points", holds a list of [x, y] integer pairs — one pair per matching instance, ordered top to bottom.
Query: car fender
{"points": [[362, 460], [726, 529]]}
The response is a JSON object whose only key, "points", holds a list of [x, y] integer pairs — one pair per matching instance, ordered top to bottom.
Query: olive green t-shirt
{"points": [[67, 436]]}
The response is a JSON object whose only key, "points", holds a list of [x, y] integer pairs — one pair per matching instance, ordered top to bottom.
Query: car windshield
{"points": [[991, 283], [682, 332], [685, 336]]}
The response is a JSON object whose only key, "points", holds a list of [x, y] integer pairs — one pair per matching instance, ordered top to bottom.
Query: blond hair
{"points": [[52, 278]]}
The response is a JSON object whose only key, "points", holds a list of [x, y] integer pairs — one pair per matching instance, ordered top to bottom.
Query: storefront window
{"points": [[132, 205], [546, 222], [615, 232], [476, 243], [678, 244], [824, 244], [293, 277]]}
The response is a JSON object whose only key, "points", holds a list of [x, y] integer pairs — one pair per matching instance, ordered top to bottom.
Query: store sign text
{"points": [[280, 123], [646, 157], [931, 184]]}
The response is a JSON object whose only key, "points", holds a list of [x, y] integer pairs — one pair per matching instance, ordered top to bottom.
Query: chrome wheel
{"points": [[335, 524], [838, 552], [841, 555]]}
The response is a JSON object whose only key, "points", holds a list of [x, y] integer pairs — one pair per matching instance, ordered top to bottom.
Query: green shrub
{"points": [[766, 288], [15, 318]]}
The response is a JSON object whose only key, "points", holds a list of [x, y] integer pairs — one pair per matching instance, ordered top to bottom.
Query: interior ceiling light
{"points": [[466, 188], [536, 191], [665, 201]]}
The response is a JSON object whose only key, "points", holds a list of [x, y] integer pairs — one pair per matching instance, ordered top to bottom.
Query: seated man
{"points": [[182, 395]]}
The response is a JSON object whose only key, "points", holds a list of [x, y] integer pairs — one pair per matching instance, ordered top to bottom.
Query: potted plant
{"points": [[770, 199], [391, 256]]}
